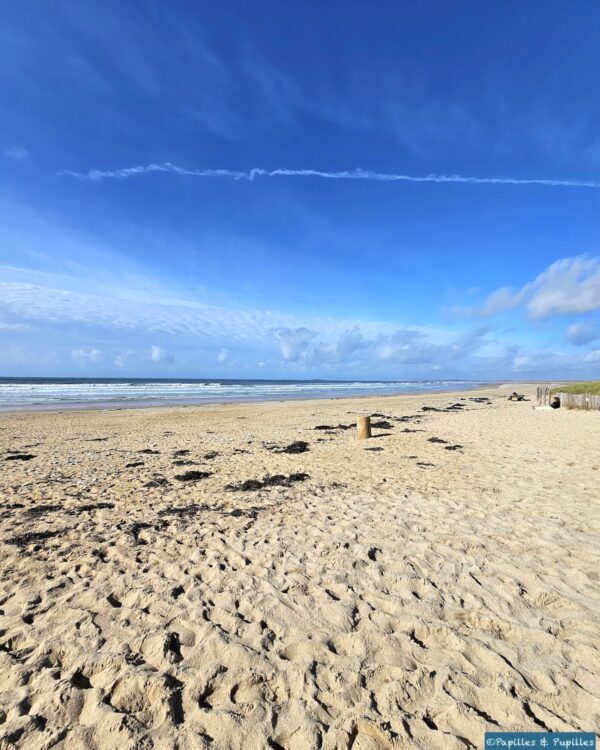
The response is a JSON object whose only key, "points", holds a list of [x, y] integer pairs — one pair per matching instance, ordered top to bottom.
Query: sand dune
{"points": [[395, 593]]}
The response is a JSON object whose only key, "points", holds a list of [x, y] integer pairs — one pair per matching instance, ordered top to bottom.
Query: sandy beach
{"points": [[173, 578]]}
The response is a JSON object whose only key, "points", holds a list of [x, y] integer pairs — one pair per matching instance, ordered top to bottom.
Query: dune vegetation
{"points": [[591, 387]]}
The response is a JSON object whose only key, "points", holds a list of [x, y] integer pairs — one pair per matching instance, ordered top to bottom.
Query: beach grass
{"points": [[589, 387]]}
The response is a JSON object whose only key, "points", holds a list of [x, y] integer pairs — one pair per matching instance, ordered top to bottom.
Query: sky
{"points": [[300, 190]]}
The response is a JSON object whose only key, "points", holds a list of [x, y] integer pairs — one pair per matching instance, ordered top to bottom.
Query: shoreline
{"points": [[164, 404]]}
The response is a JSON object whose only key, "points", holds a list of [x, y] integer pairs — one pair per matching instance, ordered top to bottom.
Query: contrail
{"points": [[96, 175]]}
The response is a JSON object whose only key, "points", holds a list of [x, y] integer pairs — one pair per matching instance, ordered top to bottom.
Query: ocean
{"points": [[61, 393]]}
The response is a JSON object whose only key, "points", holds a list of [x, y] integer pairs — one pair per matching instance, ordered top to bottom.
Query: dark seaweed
{"points": [[334, 427], [300, 446], [193, 476], [278, 480], [157, 482], [41, 510], [33, 537]]}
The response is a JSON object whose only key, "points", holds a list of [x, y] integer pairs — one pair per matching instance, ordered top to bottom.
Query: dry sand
{"points": [[402, 596]]}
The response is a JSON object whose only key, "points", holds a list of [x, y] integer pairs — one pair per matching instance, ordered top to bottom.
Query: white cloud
{"points": [[16, 152], [121, 173], [569, 286], [501, 300], [51, 301], [14, 326], [583, 333], [293, 342], [284, 344], [160, 355], [86, 356], [123, 359]]}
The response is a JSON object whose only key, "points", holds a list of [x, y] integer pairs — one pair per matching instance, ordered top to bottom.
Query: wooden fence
{"points": [[545, 395], [579, 401]]}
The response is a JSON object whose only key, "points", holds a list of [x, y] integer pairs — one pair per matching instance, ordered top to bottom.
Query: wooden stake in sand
{"points": [[363, 427]]}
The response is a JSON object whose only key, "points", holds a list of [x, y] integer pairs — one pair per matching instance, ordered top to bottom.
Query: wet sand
{"points": [[231, 577]]}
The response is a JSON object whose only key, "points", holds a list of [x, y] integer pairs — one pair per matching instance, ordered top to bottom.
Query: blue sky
{"points": [[135, 240]]}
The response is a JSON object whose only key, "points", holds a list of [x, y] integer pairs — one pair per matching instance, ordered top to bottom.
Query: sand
{"points": [[391, 594]]}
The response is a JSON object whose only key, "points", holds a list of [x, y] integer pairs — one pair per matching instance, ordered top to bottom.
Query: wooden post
{"points": [[363, 427]]}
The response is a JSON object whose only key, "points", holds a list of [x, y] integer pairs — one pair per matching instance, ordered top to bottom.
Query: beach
{"points": [[230, 576]]}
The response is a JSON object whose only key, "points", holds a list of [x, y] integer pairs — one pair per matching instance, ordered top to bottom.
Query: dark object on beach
{"points": [[514, 396], [480, 400], [555, 403], [455, 407], [430, 408], [408, 418], [382, 425], [334, 427], [407, 429], [96, 440], [436, 440], [300, 446], [453, 447], [375, 448], [240, 450], [149, 452], [183, 452], [210, 455], [19, 457], [183, 462], [133, 464], [423, 464], [193, 476], [278, 480], [157, 482], [250, 485], [91, 506], [6, 509], [41, 510], [183, 510], [239, 513], [138, 526], [135, 529], [33, 537], [172, 647]]}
